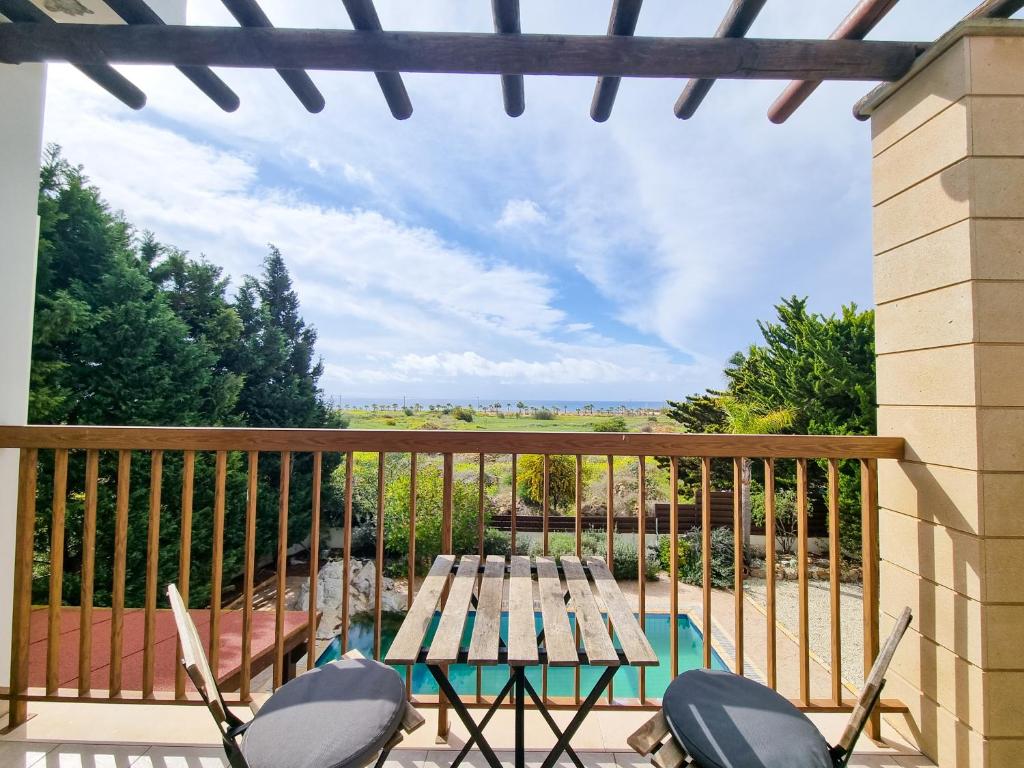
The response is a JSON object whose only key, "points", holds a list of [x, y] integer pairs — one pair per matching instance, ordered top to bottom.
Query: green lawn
{"points": [[363, 419]]}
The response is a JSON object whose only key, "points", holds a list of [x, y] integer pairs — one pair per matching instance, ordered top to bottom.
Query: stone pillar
{"points": [[21, 129], [948, 197]]}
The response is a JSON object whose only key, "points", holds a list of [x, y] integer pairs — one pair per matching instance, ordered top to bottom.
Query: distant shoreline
{"points": [[485, 403]]}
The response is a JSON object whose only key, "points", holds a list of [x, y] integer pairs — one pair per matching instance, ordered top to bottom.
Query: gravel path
{"points": [[851, 624]]}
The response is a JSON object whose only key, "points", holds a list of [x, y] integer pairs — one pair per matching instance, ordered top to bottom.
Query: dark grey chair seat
{"points": [[337, 716], [727, 721]]}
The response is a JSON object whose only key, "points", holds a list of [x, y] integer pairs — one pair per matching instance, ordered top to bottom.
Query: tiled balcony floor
{"points": [[69, 735]]}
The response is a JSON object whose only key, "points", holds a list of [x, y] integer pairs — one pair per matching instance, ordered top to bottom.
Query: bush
{"points": [[408, 411], [462, 414], [543, 414], [614, 424], [561, 479], [785, 516], [364, 541], [500, 543], [690, 557], [623, 565]]}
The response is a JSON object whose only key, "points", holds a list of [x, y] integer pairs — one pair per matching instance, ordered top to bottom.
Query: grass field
{"points": [[364, 419]]}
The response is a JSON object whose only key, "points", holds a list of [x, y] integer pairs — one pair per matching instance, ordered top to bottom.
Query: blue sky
{"points": [[462, 253]]}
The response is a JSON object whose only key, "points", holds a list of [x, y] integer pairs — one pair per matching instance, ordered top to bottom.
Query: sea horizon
{"points": [[481, 403]]}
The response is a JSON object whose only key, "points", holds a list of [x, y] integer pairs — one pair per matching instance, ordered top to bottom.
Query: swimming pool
{"points": [[561, 680]]}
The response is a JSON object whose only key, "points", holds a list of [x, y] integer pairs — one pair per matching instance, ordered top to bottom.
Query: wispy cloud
{"points": [[521, 213]]}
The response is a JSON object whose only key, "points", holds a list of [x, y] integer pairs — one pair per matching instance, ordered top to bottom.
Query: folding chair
{"points": [[341, 715], [715, 719]]}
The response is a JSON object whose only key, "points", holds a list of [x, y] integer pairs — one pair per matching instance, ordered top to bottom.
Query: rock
{"points": [[362, 585]]}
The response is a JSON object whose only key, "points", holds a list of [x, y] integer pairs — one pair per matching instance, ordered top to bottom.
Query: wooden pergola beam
{"points": [[249, 14], [364, 19], [861, 20], [622, 21], [506, 22], [736, 23], [460, 53], [105, 76], [203, 78]]}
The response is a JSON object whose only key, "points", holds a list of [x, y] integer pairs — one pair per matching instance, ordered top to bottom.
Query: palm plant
{"points": [[746, 419]]}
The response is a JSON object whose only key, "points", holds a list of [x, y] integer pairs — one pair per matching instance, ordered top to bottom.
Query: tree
{"points": [[699, 414], [561, 479]]}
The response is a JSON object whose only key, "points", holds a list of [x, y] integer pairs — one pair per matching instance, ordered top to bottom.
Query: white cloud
{"points": [[520, 213]]}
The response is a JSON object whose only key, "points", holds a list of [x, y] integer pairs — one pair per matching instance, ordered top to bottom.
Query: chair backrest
{"points": [[193, 658], [872, 689]]}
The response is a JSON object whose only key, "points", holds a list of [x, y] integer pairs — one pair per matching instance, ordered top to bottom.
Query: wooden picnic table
{"points": [[572, 585], [165, 657]]}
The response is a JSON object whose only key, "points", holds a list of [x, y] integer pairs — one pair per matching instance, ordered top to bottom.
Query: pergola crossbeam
{"points": [[22, 12], [138, 12], [249, 14], [364, 18], [861, 20], [506, 21], [622, 22], [737, 22], [460, 53]]}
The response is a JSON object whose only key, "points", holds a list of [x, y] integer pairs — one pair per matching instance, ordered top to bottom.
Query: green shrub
{"points": [[408, 411], [462, 414], [543, 414], [614, 424], [561, 479], [785, 516], [364, 541], [500, 543], [690, 556], [623, 565]]}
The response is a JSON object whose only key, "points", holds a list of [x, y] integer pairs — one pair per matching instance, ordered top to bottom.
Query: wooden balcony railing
{"points": [[47, 452]]}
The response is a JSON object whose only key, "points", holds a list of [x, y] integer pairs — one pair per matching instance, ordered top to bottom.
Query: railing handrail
{"points": [[452, 441]]}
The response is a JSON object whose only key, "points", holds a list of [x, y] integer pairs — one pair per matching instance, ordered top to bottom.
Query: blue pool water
{"points": [[561, 680]]}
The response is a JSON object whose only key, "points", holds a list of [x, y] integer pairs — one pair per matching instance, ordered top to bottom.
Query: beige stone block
{"points": [[995, 64], [943, 83], [997, 125], [933, 146], [997, 185], [927, 207], [998, 249], [941, 259], [999, 310], [940, 318], [999, 370], [937, 376], [935, 434], [1001, 439], [942, 495], [1002, 497], [946, 557], [1004, 571], [947, 618], [1002, 631], [1003, 714], [1003, 753]]}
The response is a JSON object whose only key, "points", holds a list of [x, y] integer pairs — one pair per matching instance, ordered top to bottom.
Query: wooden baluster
{"points": [[92, 470], [124, 473], [188, 478], [60, 498], [515, 500], [705, 504], [545, 508], [480, 542], [737, 543], [610, 545], [446, 549], [579, 553], [869, 555], [314, 558], [346, 558], [412, 559], [641, 559], [673, 564], [282, 566], [769, 568], [217, 572], [152, 573], [833, 578], [802, 582], [248, 587], [378, 594], [21, 616]]}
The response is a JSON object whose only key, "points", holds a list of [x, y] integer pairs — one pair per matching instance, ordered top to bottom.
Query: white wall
{"points": [[22, 91]]}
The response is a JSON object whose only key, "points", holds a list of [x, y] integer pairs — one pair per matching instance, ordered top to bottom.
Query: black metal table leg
{"points": [[520, 678], [460, 709], [581, 715], [483, 723], [551, 723]]}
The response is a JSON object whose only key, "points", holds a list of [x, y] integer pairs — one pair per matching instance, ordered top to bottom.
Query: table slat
{"points": [[522, 629], [558, 635], [448, 638], [632, 638], [596, 639], [406, 646], [483, 647]]}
